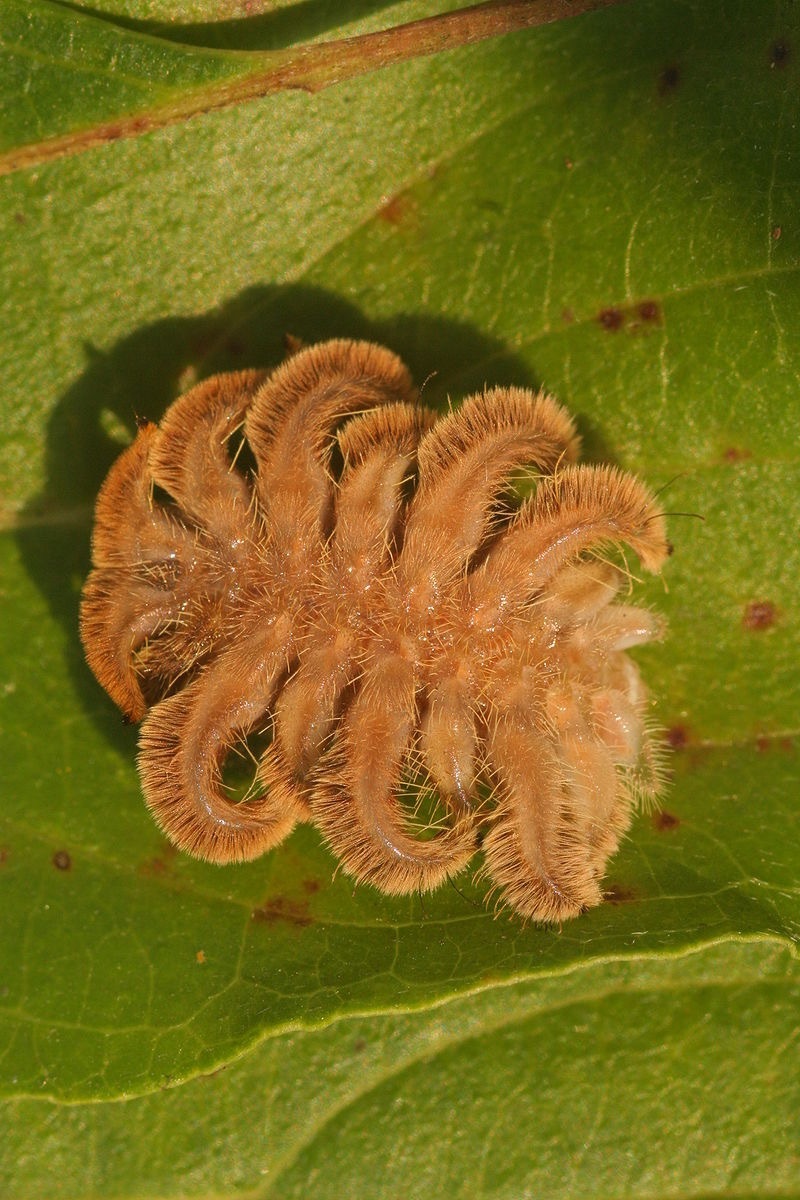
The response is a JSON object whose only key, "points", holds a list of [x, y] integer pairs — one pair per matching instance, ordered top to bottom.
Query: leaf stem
{"points": [[312, 68]]}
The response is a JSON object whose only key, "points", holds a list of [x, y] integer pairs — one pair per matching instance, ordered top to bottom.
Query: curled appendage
{"points": [[291, 423], [396, 428], [379, 449], [189, 457], [465, 463], [574, 511], [129, 529], [143, 558], [580, 591], [120, 614], [115, 622], [625, 625], [594, 651], [305, 718], [619, 724], [449, 743], [183, 746], [644, 781], [598, 798], [355, 801], [535, 851]]}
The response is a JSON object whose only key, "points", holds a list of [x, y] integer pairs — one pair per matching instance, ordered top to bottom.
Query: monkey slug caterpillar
{"points": [[438, 665]]}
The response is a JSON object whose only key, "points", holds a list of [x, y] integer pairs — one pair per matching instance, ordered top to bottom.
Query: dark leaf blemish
{"points": [[779, 53], [669, 79], [396, 209], [649, 310], [633, 318], [610, 319], [735, 454], [759, 614], [677, 736], [665, 821], [62, 860], [153, 867], [618, 893], [282, 909]]}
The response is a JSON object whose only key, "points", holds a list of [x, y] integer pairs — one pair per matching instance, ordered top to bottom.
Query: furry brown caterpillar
{"points": [[402, 627]]}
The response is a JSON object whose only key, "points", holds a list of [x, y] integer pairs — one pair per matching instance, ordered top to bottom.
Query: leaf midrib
{"points": [[490, 1025], [428, 1054]]}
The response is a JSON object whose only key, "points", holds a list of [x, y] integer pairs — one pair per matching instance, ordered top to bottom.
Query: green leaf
{"points": [[610, 207]]}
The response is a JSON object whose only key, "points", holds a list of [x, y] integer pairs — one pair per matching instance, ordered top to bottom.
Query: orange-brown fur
{"points": [[394, 618]]}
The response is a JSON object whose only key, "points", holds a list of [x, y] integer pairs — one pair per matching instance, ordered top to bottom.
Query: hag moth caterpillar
{"points": [[409, 635]]}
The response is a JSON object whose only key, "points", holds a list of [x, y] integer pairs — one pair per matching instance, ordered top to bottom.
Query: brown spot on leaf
{"points": [[779, 53], [668, 79], [397, 209], [776, 232], [649, 310], [567, 316], [634, 318], [610, 319], [736, 454], [759, 614], [677, 736], [765, 742], [665, 821], [5, 854], [62, 860], [160, 863], [153, 867], [311, 886], [619, 893], [282, 909], [200, 957], [360, 1045], [213, 1074]]}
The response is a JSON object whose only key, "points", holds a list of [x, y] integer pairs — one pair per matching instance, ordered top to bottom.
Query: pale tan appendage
{"points": [[380, 625]]}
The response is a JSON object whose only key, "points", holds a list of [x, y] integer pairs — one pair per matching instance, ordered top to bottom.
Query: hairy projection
{"points": [[433, 666]]}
